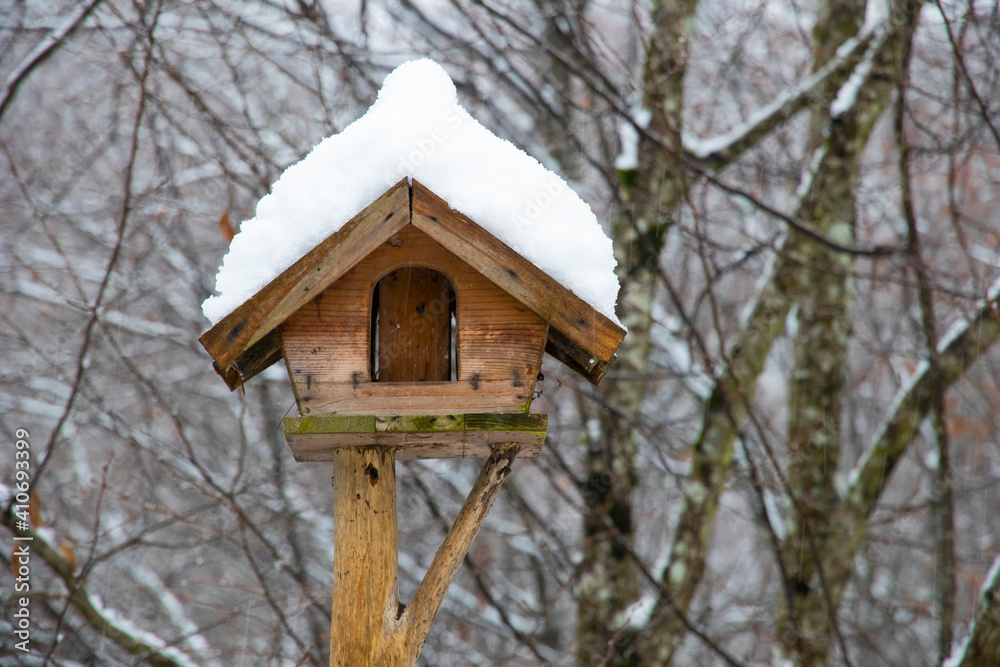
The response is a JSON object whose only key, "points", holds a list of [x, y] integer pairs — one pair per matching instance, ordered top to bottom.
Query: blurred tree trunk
{"points": [[649, 195], [820, 349], [817, 577]]}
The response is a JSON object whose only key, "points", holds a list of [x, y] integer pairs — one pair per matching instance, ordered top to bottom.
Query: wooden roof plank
{"points": [[574, 318], [235, 336], [260, 356], [576, 357]]}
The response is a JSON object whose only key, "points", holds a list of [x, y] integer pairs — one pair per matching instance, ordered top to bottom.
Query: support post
{"points": [[365, 565], [427, 600], [369, 626]]}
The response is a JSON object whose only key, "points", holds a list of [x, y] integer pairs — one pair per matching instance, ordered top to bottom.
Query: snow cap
{"points": [[417, 129]]}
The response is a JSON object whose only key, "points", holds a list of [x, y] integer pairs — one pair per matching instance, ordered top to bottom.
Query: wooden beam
{"points": [[577, 320], [235, 335], [259, 356], [577, 358], [421, 398], [415, 437], [365, 560], [419, 614], [369, 627]]}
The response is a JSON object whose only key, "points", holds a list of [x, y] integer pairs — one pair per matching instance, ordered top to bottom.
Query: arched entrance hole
{"points": [[413, 327]]}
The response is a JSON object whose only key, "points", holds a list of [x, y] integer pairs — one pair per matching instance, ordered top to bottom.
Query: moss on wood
{"points": [[314, 438]]}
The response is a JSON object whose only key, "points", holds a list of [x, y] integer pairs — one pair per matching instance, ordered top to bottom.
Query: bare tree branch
{"points": [[48, 46], [984, 110], [124, 215], [960, 347], [108, 622]]}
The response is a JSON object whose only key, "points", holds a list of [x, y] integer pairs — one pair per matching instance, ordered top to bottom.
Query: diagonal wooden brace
{"points": [[369, 625]]}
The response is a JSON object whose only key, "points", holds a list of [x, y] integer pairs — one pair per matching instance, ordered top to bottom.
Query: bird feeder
{"points": [[413, 328], [410, 332]]}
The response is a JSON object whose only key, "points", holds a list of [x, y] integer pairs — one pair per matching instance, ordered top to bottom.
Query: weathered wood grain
{"points": [[577, 320], [413, 325], [237, 333], [499, 342], [261, 355], [576, 357], [417, 398], [417, 436], [365, 558], [369, 626]]}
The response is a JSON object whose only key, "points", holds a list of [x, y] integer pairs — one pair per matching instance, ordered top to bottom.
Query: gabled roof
{"points": [[417, 130], [245, 342]]}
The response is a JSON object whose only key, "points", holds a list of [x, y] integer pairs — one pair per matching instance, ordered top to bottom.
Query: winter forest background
{"points": [[793, 461]]}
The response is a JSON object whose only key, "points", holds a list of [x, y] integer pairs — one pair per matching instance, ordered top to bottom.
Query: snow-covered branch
{"points": [[721, 150], [959, 348], [105, 620], [981, 647]]}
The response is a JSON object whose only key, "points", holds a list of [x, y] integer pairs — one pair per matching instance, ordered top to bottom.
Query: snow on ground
{"points": [[417, 129]]}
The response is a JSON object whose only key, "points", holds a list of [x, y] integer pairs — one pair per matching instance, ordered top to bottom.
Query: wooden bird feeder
{"points": [[411, 332]]}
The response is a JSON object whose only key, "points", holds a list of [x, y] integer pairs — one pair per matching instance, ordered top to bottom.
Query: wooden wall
{"points": [[327, 343]]}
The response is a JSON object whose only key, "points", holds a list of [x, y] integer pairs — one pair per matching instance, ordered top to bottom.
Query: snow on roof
{"points": [[417, 129]]}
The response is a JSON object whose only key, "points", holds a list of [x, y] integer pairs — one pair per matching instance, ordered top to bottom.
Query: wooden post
{"points": [[365, 562], [369, 626]]}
